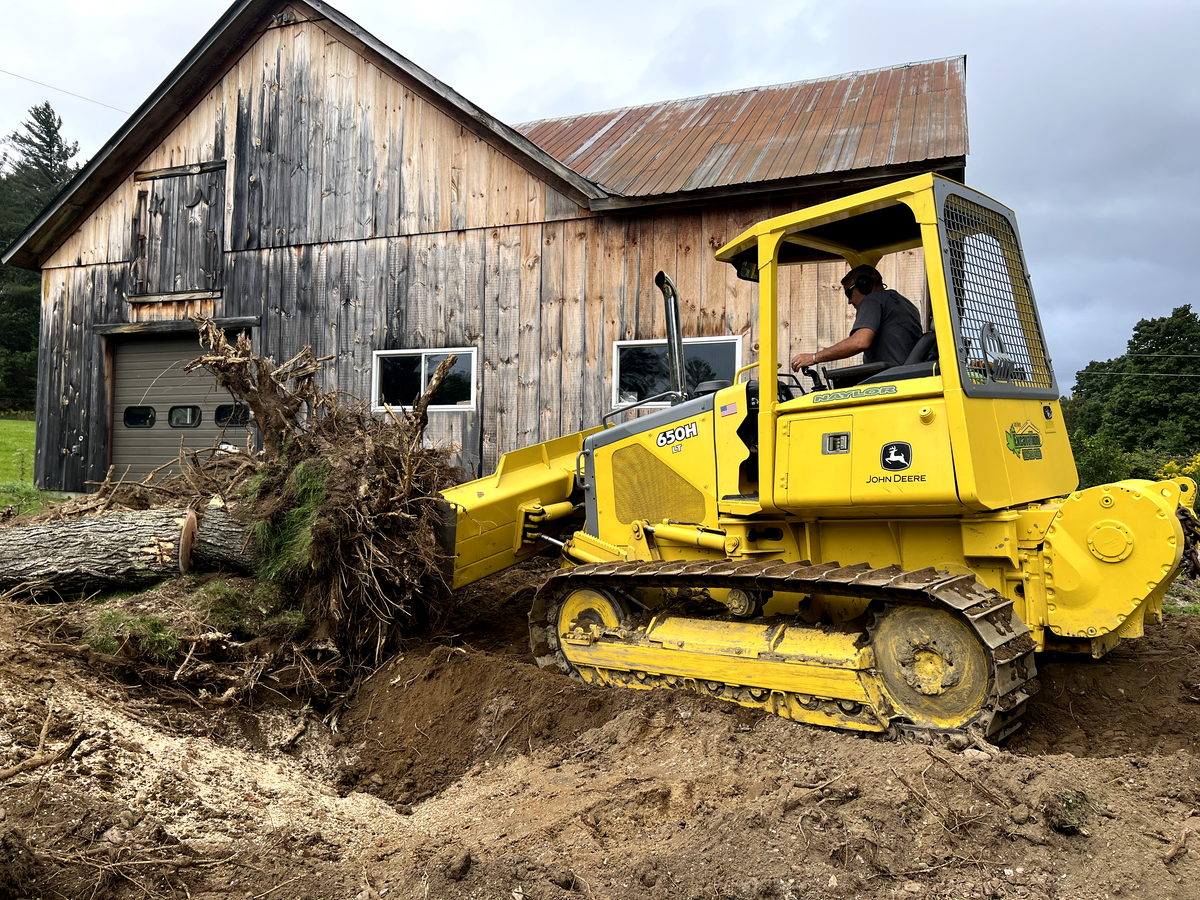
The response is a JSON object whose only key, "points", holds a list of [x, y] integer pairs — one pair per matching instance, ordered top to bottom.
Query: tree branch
{"points": [[37, 761]]}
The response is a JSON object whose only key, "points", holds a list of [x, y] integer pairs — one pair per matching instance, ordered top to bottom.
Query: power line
{"points": [[63, 91], [1169, 355], [1146, 374]]}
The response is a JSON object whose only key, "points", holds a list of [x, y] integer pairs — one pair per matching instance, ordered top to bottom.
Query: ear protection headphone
{"points": [[864, 282]]}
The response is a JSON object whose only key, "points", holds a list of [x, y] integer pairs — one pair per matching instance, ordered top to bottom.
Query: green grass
{"points": [[16, 451], [16, 468], [25, 498], [285, 543], [1183, 596], [224, 607], [246, 613], [292, 618], [153, 639]]}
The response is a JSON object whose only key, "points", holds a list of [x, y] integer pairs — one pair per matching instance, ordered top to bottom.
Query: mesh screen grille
{"points": [[998, 324], [646, 489]]}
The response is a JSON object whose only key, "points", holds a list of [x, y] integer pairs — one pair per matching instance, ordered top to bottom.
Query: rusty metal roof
{"points": [[878, 118]]}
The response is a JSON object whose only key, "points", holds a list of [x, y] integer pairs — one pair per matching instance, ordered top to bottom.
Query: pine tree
{"points": [[34, 168]]}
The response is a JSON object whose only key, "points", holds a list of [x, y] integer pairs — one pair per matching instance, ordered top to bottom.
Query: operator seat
{"points": [[921, 362]]}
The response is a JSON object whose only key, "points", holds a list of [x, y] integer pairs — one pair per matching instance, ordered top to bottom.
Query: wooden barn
{"points": [[296, 177]]}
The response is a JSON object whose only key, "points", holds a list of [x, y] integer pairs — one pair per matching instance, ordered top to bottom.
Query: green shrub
{"points": [[1099, 460], [1174, 468]]}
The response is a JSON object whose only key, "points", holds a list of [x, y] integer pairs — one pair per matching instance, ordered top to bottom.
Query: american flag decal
{"points": [[729, 409]]}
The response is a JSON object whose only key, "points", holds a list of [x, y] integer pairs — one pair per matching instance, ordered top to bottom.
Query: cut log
{"points": [[223, 543], [119, 549]]}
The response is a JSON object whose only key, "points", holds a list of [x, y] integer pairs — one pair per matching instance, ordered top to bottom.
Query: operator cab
{"points": [[864, 238], [982, 362]]}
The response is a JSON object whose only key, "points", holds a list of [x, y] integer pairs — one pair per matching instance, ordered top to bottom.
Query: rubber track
{"points": [[1001, 632]]}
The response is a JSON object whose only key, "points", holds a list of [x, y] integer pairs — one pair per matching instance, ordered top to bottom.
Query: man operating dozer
{"points": [[886, 326]]}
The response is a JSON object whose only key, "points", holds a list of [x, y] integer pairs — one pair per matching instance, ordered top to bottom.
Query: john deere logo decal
{"points": [[1024, 440], [896, 456]]}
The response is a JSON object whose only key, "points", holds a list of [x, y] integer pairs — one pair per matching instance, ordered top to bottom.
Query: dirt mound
{"points": [[1141, 699], [436, 712], [429, 719], [675, 795]]}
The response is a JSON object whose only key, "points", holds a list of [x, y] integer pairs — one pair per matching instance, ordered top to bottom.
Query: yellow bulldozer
{"points": [[882, 549]]}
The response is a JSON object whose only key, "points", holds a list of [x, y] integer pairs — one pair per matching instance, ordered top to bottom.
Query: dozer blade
{"points": [[935, 652]]}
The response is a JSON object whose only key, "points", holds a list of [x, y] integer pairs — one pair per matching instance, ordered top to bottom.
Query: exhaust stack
{"points": [[674, 337]]}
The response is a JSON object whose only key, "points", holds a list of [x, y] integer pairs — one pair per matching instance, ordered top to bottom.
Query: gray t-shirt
{"points": [[896, 323]]}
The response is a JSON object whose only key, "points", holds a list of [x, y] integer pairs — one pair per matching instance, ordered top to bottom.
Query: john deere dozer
{"points": [[884, 550]]}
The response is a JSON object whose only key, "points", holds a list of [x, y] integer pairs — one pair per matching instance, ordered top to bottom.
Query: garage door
{"points": [[156, 404]]}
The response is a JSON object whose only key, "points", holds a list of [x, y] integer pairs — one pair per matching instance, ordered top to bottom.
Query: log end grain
{"points": [[187, 540]]}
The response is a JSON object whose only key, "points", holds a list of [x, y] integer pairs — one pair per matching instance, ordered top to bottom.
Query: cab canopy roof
{"points": [[860, 228]]}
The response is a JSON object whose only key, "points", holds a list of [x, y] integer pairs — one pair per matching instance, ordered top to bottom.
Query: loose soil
{"points": [[459, 769]]}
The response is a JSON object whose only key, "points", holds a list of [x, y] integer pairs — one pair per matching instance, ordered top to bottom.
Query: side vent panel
{"points": [[646, 489]]}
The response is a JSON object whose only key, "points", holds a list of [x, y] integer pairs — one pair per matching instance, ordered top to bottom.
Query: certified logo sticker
{"points": [[1024, 440], [896, 456]]}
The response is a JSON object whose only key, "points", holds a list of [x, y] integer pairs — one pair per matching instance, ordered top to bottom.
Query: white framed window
{"points": [[640, 367], [399, 377]]}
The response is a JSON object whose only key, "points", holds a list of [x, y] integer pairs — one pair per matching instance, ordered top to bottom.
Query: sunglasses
{"points": [[849, 289]]}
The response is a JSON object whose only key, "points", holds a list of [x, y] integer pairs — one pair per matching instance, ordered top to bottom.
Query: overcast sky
{"points": [[1084, 118]]}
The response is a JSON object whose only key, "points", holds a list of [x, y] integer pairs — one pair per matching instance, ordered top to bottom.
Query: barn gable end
{"points": [[323, 142]]}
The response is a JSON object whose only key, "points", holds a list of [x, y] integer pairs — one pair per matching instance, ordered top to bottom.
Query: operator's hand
{"points": [[803, 360]]}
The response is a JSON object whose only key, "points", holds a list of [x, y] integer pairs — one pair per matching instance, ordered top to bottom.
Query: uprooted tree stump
{"points": [[345, 503], [340, 509], [126, 549]]}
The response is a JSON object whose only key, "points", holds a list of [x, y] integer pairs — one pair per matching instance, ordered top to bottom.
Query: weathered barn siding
{"points": [[359, 216]]}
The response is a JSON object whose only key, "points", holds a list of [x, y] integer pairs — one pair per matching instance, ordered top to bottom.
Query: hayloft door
{"points": [[179, 231]]}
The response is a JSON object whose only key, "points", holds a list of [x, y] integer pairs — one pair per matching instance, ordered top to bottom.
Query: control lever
{"points": [[811, 372]]}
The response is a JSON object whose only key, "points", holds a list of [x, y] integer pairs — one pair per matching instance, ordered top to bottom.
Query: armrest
{"points": [[852, 375]]}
